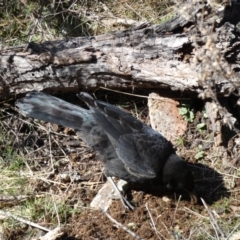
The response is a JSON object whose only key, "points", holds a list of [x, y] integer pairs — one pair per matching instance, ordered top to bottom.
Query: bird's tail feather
{"points": [[51, 109]]}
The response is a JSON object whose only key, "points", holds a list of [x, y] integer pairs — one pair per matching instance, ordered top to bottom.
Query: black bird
{"points": [[130, 149]]}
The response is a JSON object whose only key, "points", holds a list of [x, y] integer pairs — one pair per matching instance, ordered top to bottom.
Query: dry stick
{"points": [[130, 94], [137, 95], [41, 127], [50, 147], [65, 155], [232, 167], [222, 173], [49, 180], [17, 198], [122, 198], [56, 210], [195, 213], [8, 214], [174, 215], [151, 218], [211, 218], [215, 224], [164, 225], [122, 226], [154, 226], [231, 233], [51, 235]]}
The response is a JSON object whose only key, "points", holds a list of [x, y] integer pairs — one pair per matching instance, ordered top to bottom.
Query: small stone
{"points": [[165, 117], [64, 177], [103, 199], [165, 199]]}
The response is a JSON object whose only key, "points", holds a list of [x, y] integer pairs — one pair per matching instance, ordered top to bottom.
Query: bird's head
{"points": [[177, 176]]}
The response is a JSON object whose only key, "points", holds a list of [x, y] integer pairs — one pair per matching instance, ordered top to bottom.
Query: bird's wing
{"points": [[142, 150], [144, 154]]}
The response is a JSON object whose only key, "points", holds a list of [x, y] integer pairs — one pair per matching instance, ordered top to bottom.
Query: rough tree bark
{"points": [[195, 51]]}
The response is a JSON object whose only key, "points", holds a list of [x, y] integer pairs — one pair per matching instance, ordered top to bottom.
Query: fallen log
{"points": [[197, 51]]}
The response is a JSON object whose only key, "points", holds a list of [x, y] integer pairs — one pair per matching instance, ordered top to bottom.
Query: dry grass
{"points": [[25, 21], [39, 175]]}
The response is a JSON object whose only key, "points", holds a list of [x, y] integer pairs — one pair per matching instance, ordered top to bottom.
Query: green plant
{"points": [[186, 112], [205, 114], [201, 127], [180, 142], [200, 154]]}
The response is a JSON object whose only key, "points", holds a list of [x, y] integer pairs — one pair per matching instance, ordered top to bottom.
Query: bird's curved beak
{"points": [[193, 195]]}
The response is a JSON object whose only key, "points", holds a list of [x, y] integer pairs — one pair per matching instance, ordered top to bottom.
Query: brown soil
{"points": [[158, 215]]}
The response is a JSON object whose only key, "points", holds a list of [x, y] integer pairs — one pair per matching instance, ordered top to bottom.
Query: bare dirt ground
{"points": [[63, 167]]}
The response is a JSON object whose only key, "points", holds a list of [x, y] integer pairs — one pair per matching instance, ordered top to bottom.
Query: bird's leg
{"points": [[124, 201]]}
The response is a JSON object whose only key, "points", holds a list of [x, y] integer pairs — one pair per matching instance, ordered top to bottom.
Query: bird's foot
{"points": [[124, 201]]}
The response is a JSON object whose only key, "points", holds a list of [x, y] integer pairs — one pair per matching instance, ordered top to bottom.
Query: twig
{"points": [[134, 11], [136, 95], [50, 147], [50, 181], [17, 198], [124, 201], [56, 210], [195, 213], [8, 214], [174, 215], [151, 218], [213, 219], [213, 222], [120, 225], [154, 226], [166, 228], [174, 233], [231, 233], [51, 235]]}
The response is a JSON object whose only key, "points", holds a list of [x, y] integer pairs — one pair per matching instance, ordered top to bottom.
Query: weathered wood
{"points": [[185, 54]]}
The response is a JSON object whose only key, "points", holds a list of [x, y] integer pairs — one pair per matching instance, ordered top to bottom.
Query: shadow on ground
{"points": [[209, 185]]}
